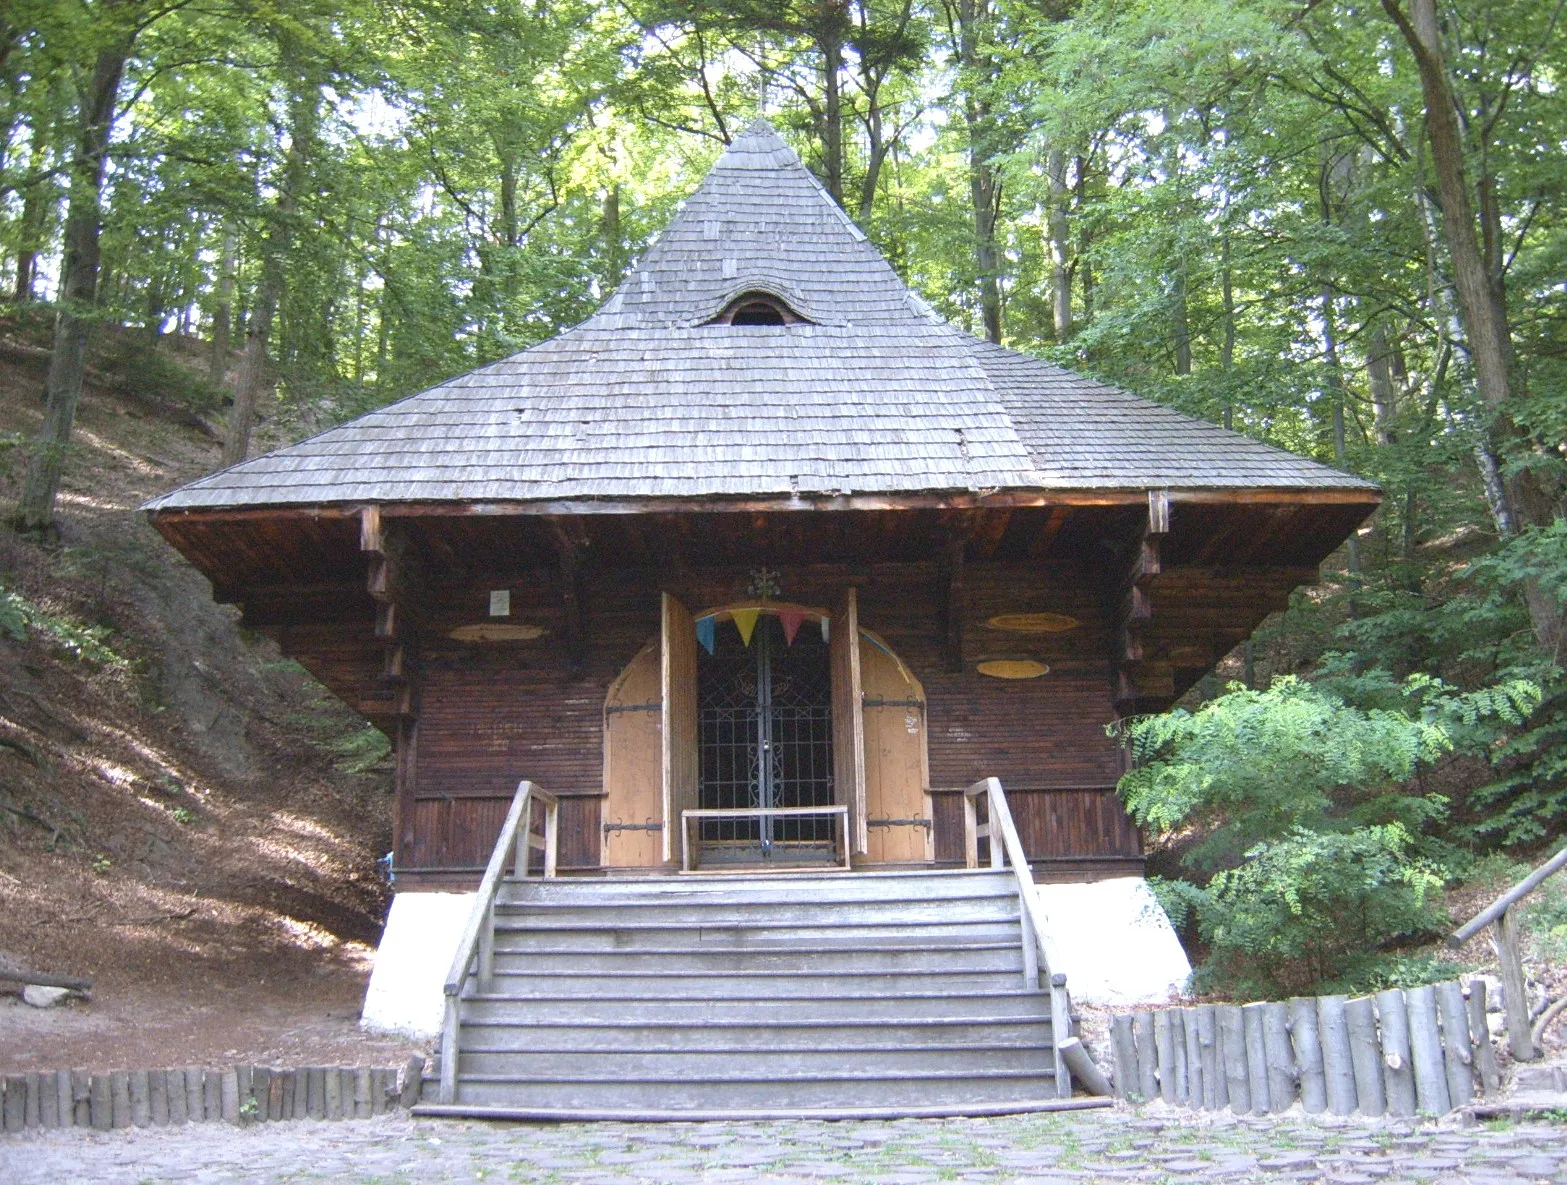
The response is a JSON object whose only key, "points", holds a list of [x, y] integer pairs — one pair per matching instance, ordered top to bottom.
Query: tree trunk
{"points": [[969, 18], [831, 41], [304, 114], [37, 203], [1060, 237], [1477, 276], [1479, 285], [78, 291], [223, 311], [1181, 326], [1335, 371], [1384, 394]]}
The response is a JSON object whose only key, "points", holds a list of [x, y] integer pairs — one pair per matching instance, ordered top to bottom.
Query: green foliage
{"points": [[140, 369], [18, 616], [360, 751], [1311, 852], [1312, 910], [1545, 919]]}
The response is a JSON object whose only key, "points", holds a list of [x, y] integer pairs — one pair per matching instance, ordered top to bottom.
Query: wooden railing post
{"points": [[551, 835], [477, 943], [487, 949], [1508, 955], [1039, 968], [1515, 993], [449, 1025]]}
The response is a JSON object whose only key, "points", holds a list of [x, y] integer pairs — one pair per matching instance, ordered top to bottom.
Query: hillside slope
{"points": [[174, 822]]}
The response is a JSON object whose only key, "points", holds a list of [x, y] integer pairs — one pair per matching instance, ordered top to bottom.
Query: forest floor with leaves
{"points": [[175, 823]]}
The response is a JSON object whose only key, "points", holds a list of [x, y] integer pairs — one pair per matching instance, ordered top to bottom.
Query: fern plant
{"points": [[1310, 852]]}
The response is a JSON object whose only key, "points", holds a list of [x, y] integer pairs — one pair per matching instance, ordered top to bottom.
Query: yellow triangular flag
{"points": [[745, 622]]}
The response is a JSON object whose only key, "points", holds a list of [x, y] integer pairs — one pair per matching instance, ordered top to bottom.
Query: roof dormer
{"points": [[757, 308]]}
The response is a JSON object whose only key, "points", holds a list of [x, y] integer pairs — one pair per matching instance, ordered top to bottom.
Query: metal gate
{"points": [[765, 737]]}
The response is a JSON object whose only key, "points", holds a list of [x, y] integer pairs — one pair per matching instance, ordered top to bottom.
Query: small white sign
{"points": [[500, 602]]}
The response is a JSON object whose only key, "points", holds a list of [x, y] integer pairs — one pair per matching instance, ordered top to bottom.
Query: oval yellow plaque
{"points": [[1034, 623], [497, 631], [1011, 668]]}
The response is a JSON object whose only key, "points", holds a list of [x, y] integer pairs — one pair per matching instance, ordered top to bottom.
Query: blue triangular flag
{"points": [[706, 632]]}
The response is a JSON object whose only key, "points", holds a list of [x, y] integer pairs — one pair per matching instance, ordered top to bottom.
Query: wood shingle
{"points": [[871, 393]]}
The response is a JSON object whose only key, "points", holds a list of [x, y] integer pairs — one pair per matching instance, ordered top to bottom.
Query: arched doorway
{"points": [[765, 705], [764, 735]]}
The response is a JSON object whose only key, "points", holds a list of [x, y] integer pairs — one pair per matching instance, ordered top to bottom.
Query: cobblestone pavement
{"points": [[1111, 1146]]}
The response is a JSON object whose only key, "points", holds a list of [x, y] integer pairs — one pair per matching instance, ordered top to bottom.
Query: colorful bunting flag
{"points": [[790, 619], [745, 622], [706, 632]]}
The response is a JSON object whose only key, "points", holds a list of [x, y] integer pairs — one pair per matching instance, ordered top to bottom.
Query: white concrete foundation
{"points": [[1115, 942], [407, 992]]}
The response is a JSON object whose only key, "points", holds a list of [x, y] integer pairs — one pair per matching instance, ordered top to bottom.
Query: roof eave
{"points": [[1366, 495]]}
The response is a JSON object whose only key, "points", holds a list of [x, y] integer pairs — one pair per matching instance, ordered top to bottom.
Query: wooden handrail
{"points": [[840, 810], [515, 842], [1513, 895], [1509, 957], [1041, 960]]}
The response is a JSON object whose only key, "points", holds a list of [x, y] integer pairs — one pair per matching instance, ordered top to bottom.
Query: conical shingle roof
{"points": [[871, 394]]}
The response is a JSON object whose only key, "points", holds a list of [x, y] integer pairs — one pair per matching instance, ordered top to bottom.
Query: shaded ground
{"points": [[174, 819], [1093, 1146]]}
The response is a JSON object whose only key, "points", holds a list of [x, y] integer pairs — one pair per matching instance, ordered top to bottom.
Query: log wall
{"points": [[491, 713]]}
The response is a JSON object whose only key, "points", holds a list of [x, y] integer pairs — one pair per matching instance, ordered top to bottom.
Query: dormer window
{"points": [[757, 308], [758, 312]]}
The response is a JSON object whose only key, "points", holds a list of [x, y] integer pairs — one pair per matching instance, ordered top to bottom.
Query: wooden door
{"points": [[678, 719], [848, 726], [897, 763], [633, 765]]}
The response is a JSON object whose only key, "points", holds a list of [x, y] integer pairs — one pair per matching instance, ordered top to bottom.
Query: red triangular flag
{"points": [[790, 619]]}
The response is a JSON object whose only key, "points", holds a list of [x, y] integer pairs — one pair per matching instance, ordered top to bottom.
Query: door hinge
{"points": [[650, 706], [925, 823]]}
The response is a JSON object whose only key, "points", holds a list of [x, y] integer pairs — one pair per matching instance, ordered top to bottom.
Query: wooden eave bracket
{"points": [[395, 584], [1136, 682]]}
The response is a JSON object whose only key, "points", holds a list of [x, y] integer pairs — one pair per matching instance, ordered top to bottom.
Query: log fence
{"points": [[1501, 913], [1424, 1050], [204, 1094]]}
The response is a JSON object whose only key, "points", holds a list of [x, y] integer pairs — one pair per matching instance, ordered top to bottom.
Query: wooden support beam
{"points": [[992, 525], [1040, 547], [394, 580], [1139, 684]]}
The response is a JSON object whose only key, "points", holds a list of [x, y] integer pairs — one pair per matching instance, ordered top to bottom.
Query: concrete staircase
{"points": [[844, 994]]}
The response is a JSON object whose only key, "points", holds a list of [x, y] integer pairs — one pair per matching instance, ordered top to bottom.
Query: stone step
{"points": [[920, 885], [721, 912], [585, 935], [524, 957], [638, 985], [521, 1002], [757, 1035], [710, 1064], [760, 1090]]}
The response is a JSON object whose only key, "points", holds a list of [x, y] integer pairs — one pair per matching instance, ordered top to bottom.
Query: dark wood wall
{"points": [[491, 713]]}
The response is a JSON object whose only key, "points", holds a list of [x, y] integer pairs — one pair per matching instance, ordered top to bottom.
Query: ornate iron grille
{"points": [[765, 735]]}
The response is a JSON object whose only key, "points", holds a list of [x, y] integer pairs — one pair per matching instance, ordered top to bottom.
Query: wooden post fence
{"points": [[1424, 1050]]}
